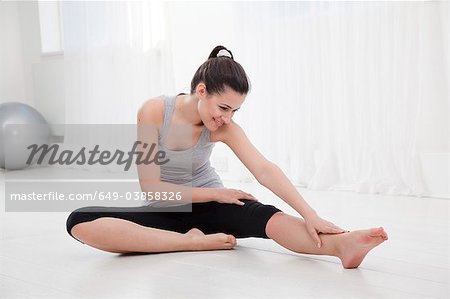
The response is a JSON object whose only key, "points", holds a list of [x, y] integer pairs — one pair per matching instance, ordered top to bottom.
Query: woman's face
{"points": [[217, 110]]}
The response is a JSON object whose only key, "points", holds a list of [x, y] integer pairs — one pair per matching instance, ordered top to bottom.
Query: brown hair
{"points": [[220, 71]]}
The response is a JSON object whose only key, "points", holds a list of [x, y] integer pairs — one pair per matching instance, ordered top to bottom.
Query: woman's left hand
{"points": [[316, 225]]}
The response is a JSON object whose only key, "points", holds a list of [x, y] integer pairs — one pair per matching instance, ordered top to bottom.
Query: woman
{"points": [[219, 215]]}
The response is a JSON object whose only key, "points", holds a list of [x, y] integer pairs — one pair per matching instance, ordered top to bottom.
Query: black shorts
{"points": [[245, 221]]}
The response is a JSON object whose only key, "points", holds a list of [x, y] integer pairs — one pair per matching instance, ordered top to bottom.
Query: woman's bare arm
{"points": [[267, 173]]}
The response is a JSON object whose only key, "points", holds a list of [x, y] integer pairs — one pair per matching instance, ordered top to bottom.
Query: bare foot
{"points": [[210, 242], [356, 244]]}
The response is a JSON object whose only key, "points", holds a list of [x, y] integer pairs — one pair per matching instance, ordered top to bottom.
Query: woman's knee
{"points": [[75, 221], [280, 222], [272, 224], [80, 231], [86, 233]]}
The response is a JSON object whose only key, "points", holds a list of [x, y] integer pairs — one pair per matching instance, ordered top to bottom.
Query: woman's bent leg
{"points": [[140, 229], [123, 236], [351, 248]]}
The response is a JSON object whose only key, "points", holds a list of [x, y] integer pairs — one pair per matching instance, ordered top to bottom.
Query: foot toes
{"points": [[376, 232], [231, 239]]}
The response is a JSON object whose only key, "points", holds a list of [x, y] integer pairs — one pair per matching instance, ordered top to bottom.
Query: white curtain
{"points": [[116, 55], [338, 89]]}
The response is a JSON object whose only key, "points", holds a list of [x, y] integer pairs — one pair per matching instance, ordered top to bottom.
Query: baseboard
{"points": [[436, 174]]}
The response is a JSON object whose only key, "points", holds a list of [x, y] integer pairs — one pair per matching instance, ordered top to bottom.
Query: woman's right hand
{"points": [[231, 196]]}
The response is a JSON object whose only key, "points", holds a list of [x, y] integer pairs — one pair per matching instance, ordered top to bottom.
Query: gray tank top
{"points": [[189, 167]]}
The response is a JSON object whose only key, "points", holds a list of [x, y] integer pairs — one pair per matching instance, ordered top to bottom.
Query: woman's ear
{"points": [[201, 90]]}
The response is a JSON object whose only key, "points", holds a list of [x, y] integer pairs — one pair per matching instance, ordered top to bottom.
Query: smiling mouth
{"points": [[218, 123]]}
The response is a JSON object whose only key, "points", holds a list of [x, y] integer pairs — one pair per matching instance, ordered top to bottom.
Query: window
{"points": [[50, 26]]}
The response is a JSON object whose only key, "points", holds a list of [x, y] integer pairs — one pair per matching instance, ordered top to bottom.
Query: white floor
{"points": [[38, 259]]}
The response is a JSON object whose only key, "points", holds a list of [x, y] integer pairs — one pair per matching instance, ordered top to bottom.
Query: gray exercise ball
{"points": [[20, 126]]}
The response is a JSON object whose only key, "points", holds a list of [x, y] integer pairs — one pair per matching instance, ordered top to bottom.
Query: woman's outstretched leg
{"points": [[123, 236], [351, 248]]}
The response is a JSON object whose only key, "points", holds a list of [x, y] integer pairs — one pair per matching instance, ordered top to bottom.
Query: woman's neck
{"points": [[188, 105]]}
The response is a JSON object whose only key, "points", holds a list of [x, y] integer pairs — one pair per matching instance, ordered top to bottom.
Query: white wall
{"points": [[444, 9], [196, 28], [25, 75], [44, 75], [12, 79]]}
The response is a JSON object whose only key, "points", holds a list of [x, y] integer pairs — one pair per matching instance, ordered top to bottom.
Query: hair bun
{"points": [[220, 51]]}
